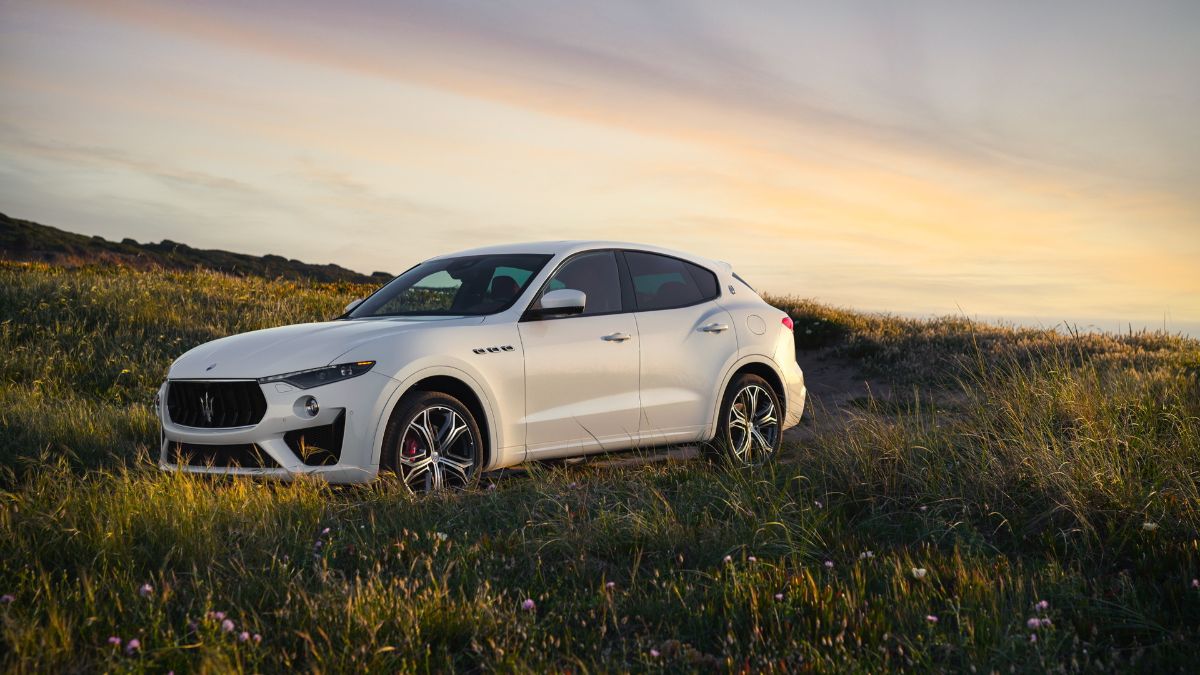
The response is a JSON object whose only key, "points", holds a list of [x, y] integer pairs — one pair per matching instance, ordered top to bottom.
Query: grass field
{"points": [[1023, 501]]}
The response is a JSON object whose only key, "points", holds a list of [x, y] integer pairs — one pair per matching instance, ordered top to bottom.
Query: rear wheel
{"points": [[750, 431], [432, 442]]}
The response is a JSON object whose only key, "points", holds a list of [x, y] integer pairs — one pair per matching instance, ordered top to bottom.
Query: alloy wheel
{"points": [[753, 425], [438, 450]]}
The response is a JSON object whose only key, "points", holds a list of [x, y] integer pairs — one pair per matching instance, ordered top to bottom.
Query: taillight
{"points": [[787, 321]]}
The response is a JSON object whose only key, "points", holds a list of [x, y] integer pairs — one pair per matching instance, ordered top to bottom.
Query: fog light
{"points": [[311, 407]]}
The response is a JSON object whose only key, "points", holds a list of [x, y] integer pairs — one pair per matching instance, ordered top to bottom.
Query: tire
{"points": [[748, 440], [432, 442]]}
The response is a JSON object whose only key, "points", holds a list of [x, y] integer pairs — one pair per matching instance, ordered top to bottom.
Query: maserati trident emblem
{"points": [[206, 407]]}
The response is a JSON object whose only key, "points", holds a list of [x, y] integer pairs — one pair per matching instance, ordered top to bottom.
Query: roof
{"points": [[569, 247]]}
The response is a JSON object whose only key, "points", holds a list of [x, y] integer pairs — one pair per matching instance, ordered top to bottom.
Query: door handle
{"points": [[715, 327], [616, 337]]}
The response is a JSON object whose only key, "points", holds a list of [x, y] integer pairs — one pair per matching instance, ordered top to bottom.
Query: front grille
{"points": [[215, 405], [318, 446], [244, 455]]}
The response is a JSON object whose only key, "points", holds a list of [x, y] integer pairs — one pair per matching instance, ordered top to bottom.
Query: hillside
{"points": [[23, 240], [998, 500]]}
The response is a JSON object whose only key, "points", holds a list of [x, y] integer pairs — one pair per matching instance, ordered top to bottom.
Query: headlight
{"points": [[315, 377]]}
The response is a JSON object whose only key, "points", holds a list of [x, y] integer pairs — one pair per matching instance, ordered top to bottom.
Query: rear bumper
{"points": [[793, 379]]}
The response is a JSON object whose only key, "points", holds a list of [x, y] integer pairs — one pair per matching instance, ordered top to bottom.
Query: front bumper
{"points": [[358, 402]]}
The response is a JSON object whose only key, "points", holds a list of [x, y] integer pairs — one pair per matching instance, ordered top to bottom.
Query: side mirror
{"points": [[563, 302], [353, 303]]}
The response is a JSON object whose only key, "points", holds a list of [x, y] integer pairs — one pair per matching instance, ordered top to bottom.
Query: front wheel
{"points": [[750, 431], [432, 442]]}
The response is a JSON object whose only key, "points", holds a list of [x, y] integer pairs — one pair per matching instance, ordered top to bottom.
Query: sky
{"points": [[1038, 162]]}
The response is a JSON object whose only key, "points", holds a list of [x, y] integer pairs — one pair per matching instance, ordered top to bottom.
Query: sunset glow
{"points": [[999, 160]]}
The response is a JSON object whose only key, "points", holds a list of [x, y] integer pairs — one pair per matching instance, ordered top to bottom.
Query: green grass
{"points": [[1017, 466]]}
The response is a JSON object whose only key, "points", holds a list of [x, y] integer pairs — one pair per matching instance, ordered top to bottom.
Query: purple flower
{"points": [[491, 486], [818, 504], [924, 508], [325, 531], [318, 544], [728, 559], [752, 559], [829, 564], [1195, 584], [610, 585], [146, 590], [778, 596], [7, 598], [529, 605], [1042, 606], [216, 616], [931, 618], [1034, 623], [227, 626], [243, 636], [1033, 637], [257, 638], [114, 641], [132, 646], [654, 653]]}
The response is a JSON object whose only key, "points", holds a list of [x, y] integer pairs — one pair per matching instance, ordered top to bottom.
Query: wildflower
{"points": [[573, 485], [491, 486], [818, 503], [924, 508], [1149, 526], [325, 531], [441, 536], [318, 544], [866, 555], [728, 559], [752, 559], [829, 564], [919, 572], [1195, 584], [610, 585], [146, 590], [778, 596], [7, 598], [529, 605], [1042, 605], [217, 616], [931, 618], [1034, 623], [1046, 623], [227, 626], [243, 636], [1033, 637], [257, 638], [114, 641], [132, 646], [654, 652]]}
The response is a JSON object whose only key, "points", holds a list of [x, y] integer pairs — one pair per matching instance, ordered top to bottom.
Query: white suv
{"points": [[489, 358]]}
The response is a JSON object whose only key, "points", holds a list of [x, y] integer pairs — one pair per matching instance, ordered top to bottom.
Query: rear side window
{"points": [[662, 282]]}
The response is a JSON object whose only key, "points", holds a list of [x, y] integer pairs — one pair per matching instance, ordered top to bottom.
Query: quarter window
{"points": [[661, 282]]}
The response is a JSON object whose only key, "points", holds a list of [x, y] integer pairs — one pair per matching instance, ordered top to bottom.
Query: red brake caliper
{"points": [[410, 447]]}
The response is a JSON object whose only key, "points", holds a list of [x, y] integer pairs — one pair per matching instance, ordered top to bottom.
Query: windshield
{"points": [[470, 285]]}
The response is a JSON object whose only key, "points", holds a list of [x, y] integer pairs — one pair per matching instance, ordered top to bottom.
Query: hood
{"points": [[289, 348]]}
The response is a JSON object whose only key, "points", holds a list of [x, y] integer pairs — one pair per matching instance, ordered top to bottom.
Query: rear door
{"points": [[688, 342], [581, 372]]}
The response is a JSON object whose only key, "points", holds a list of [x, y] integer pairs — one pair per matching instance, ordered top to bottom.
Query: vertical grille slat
{"points": [[233, 404]]}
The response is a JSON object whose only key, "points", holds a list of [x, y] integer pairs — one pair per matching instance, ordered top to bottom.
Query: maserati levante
{"points": [[488, 358]]}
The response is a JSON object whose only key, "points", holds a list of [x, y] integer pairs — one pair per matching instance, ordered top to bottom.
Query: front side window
{"points": [[596, 275], [662, 282], [464, 286]]}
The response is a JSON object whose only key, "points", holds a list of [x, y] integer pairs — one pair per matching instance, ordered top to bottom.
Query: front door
{"points": [[581, 371]]}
